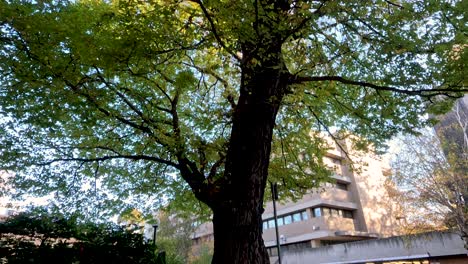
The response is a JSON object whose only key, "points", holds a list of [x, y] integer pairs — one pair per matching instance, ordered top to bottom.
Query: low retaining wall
{"points": [[414, 247]]}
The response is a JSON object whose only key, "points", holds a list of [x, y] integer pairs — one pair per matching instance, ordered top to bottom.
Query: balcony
{"points": [[314, 228], [296, 229]]}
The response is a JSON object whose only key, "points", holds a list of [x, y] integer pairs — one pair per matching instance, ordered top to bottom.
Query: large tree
{"points": [[108, 103]]}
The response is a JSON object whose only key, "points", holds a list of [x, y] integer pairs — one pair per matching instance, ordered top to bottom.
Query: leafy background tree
{"points": [[112, 105]]}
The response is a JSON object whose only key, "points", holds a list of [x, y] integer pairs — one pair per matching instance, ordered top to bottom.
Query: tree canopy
{"points": [[124, 103]]}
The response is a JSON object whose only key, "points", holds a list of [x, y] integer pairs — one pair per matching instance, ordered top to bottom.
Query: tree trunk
{"points": [[238, 210], [238, 236]]}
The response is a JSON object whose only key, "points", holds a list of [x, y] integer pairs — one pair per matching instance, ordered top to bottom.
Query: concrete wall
{"points": [[424, 246]]}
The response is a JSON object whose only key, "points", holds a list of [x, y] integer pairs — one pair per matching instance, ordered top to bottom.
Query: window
{"points": [[341, 186], [317, 212], [334, 212], [340, 213], [347, 214], [304, 215], [296, 217], [287, 219], [280, 221], [271, 223]]}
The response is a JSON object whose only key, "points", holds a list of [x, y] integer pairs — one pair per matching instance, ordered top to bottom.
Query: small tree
{"points": [[175, 236], [205, 255]]}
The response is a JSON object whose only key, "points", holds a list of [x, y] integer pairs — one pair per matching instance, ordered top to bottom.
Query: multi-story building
{"points": [[355, 206]]}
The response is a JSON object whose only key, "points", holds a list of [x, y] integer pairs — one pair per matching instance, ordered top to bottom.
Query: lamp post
{"points": [[274, 197], [155, 227]]}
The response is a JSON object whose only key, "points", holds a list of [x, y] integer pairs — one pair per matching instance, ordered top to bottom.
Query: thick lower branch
{"points": [[419, 92], [104, 158]]}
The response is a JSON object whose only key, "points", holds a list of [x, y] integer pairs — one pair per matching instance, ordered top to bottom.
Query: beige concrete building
{"points": [[355, 206]]}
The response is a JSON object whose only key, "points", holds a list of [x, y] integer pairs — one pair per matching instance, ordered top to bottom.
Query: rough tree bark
{"points": [[237, 213]]}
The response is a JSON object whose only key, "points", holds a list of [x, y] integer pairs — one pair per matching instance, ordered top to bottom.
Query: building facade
{"points": [[354, 206]]}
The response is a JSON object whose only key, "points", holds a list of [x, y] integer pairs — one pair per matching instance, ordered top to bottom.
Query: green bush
{"points": [[44, 238]]}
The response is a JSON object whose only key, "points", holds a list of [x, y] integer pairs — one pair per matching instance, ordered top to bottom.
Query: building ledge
{"points": [[340, 178], [356, 234], [302, 238]]}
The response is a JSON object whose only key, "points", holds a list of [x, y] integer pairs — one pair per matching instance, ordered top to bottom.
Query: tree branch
{"points": [[394, 4], [213, 28], [294, 32], [420, 92], [330, 133], [104, 158], [215, 167], [188, 169]]}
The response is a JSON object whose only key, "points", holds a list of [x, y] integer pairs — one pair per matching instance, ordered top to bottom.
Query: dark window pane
{"points": [[341, 186], [317, 212], [347, 214]]}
